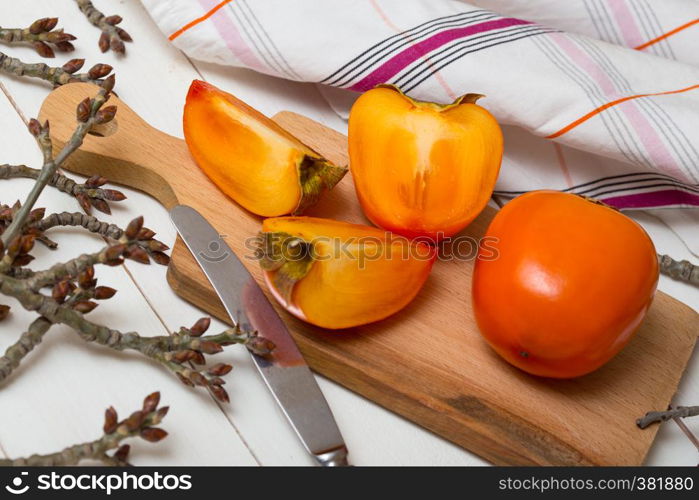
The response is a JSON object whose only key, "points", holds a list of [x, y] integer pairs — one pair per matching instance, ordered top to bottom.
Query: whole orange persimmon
{"points": [[571, 282]]}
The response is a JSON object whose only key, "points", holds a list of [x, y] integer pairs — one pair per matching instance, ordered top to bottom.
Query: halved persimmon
{"points": [[250, 158], [420, 168], [338, 275]]}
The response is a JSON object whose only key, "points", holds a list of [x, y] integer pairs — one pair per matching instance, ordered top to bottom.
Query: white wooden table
{"points": [[58, 395]]}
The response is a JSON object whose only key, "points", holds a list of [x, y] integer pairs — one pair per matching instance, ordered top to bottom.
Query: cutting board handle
{"points": [[128, 150]]}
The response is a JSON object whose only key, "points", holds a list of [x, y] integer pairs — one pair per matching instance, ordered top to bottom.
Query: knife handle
{"points": [[333, 458]]}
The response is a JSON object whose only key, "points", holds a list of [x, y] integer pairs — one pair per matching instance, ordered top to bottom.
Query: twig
{"points": [[41, 35], [112, 36], [56, 76], [89, 113], [88, 194], [75, 219], [144, 238], [137, 243], [110, 255], [679, 270], [20, 272], [73, 285], [74, 290], [27, 341], [188, 344], [169, 350], [653, 417], [140, 423]]}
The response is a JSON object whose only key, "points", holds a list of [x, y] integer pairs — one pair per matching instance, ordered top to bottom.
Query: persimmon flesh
{"points": [[250, 158], [422, 169], [341, 275], [569, 286]]}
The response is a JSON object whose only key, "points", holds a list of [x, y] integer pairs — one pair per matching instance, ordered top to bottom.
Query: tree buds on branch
{"points": [[41, 35], [112, 36], [56, 76], [66, 293], [141, 423]]}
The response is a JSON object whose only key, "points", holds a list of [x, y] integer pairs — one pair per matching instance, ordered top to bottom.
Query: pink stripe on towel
{"points": [[626, 22], [231, 36], [418, 50], [668, 197]]}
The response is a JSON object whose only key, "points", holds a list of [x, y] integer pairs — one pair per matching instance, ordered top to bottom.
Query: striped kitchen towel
{"points": [[598, 97]]}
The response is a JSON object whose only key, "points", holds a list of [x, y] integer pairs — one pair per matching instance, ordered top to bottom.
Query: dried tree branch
{"points": [[41, 35], [112, 36], [56, 76], [89, 113], [88, 194], [77, 219], [143, 239], [135, 242], [679, 270], [19, 272], [74, 286], [27, 341], [170, 351], [653, 417], [140, 423]]}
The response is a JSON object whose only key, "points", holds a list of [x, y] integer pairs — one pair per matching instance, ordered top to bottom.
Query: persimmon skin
{"points": [[422, 169], [571, 284]]}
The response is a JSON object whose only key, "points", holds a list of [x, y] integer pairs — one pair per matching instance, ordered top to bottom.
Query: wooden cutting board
{"points": [[427, 363]]}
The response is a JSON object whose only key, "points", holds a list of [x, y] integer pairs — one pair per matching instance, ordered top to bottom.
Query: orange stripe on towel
{"points": [[198, 20], [666, 35], [597, 111]]}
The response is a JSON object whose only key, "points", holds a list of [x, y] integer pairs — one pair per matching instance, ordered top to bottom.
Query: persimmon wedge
{"points": [[250, 158], [422, 169], [337, 275], [568, 287]]}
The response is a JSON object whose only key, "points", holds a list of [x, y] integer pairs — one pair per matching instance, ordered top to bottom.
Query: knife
{"points": [[284, 371]]}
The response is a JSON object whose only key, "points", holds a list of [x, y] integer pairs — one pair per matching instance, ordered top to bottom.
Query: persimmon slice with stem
{"points": [[250, 158], [338, 275]]}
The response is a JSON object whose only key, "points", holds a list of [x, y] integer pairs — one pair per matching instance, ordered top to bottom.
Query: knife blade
{"points": [[285, 372]]}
